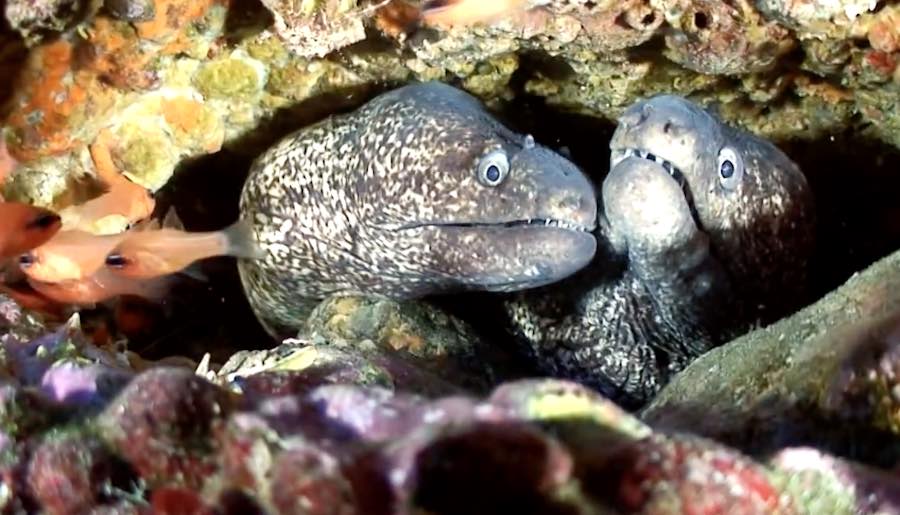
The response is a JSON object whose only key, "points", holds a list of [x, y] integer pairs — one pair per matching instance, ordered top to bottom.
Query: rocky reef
{"points": [[173, 80], [405, 407], [319, 429]]}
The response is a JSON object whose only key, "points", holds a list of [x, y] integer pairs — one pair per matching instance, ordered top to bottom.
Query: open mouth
{"points": [[672, 170], [529, 222], [536, 222]]}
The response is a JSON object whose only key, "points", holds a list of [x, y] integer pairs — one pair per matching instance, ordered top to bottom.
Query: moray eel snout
{"points": [[528, 227]]}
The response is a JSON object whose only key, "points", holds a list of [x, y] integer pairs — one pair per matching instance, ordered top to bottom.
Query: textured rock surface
{"points": [[171, 86], [826, 376]]}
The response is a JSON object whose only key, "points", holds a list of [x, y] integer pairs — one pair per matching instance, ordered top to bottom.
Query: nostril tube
{"points": [[630, 118], [569, 202]]}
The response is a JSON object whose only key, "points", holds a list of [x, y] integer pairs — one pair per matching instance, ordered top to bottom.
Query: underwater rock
{"points": [[131, 10], [817, 17], [34, 19], [315, 29], [722, 38], [414, 332], [297, 366], [826, 376], [83, 387], [23, 412], [163, 423], [504, 467], [74, 474], [681, 474], [308, 481], [825, 484]]}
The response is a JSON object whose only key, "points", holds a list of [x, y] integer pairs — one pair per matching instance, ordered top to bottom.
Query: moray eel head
{"points": [[750, 199], [490, 209]]}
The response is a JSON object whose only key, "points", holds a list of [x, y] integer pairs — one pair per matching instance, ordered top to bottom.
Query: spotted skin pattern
{"points": [[391, 201], [689, 256]]}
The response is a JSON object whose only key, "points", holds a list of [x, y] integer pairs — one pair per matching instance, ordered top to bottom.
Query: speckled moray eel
{"points": [[420, 191], [704, 229]]}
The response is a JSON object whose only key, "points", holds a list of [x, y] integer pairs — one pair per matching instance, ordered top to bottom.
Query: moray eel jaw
{"points": [[646, 204], [507, 257]]}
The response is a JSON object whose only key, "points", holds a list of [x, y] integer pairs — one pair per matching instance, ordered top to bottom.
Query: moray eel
{"points": [[418, 192], [704, 230]]}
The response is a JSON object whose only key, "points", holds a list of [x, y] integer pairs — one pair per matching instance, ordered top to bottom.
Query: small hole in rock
{"points": [[648, 19], [701, 22]]}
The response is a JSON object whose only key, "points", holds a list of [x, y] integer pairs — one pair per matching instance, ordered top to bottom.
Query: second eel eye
{"points": [[731, 168]]}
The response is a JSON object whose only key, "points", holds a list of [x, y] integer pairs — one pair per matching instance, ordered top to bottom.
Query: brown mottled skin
{"points": [[407, 197], [698, 240]]}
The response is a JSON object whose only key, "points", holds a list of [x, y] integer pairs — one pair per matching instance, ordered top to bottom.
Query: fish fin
{"points": [[172, 221], [241, 241], [194, 272]]}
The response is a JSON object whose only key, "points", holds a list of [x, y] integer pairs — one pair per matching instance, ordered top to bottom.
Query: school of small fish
{"points": [[51, 261]]}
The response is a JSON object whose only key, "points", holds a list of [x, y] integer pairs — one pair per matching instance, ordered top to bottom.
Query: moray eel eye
{"points": [[493, 167], [727, 169], [731, 169]]}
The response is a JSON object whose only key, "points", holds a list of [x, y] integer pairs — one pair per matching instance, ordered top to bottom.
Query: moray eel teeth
{"points": [[619, 155], [531, 222]]}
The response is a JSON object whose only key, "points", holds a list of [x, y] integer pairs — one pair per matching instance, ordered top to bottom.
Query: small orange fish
{"points": [[469, 12], [123, 199], [24, 227], [153, 253], [70, 255], [101, 286]]}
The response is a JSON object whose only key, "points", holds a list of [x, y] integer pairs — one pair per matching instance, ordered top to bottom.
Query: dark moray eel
{"points": [[419, 192], [704, 230]]}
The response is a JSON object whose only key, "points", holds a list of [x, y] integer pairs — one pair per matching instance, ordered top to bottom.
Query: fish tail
{"points": [[241, 241]]}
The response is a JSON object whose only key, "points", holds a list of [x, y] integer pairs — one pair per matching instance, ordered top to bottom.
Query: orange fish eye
{"points": [[44, 221], [116, 260]]}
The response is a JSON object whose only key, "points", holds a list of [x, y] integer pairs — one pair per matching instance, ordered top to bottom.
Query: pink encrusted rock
{"points": [[163, 424], [73, 474], [679, 475]]}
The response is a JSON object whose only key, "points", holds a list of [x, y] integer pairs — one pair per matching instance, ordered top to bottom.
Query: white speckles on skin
{"points": [[337, 205]]}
